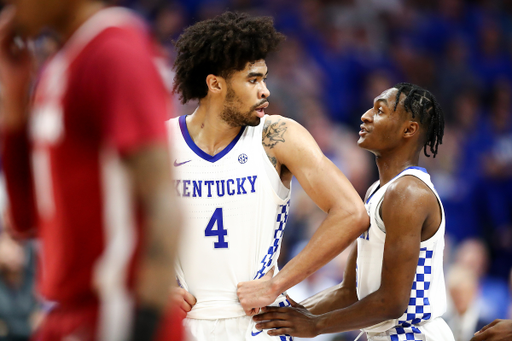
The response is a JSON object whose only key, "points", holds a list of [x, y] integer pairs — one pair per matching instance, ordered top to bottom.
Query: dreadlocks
{"points": [[220, 46], [420, 102]]}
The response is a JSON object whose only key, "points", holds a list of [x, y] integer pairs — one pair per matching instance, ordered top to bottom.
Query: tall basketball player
{"points": [[234, 166], [87, 167], [393, 287]]}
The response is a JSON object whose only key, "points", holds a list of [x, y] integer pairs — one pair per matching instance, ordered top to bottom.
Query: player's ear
{"points": [[215, 83], [411, 129]]}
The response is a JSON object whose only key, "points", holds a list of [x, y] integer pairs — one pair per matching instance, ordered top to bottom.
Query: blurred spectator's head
{"points": [[169, 22], [490, 38], [457, 51], [501, 104], [466, 108], [473, 254], [12, 259], [462, 283]]}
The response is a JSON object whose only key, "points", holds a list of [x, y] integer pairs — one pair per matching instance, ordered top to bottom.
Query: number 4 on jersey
{"points": [[220, 232]]}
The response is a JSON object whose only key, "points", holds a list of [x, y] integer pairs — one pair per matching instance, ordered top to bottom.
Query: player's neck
{"points": [[78, 16], [209, 131], [391, 165]]}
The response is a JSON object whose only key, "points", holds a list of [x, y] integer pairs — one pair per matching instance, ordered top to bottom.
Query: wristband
{"points": [[145, 324]]}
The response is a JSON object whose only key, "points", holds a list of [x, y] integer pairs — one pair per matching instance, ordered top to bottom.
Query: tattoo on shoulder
{"points": [[273, 133]]}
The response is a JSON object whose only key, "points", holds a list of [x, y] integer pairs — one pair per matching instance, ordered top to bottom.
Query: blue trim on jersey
{"points": [[188, 139], [412, 167], [418, 168], [375, 191]]}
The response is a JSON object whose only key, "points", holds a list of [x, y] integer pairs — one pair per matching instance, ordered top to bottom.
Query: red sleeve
{"points": [[131, 94], [19, 182]]}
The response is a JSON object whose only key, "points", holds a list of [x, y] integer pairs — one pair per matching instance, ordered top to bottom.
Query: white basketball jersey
{"points": [[235, 209], [428, 294]]}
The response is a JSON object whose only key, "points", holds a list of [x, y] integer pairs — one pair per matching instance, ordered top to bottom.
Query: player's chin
{"points": [[253, 121], [361, 142]]}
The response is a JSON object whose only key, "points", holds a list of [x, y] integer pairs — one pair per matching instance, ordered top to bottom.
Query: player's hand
{"points": [[15, 72], [257, 293], [183, 300], [295, 320], [498, 330]]}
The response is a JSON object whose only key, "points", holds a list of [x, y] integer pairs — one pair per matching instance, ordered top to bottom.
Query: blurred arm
{"points": [[151, 173]]}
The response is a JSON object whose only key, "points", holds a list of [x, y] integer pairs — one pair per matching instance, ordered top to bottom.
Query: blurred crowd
{"points": [[338, 56]]}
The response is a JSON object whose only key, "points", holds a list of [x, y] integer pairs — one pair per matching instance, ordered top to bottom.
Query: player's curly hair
{"points": [[220, 46], [420, 102]]}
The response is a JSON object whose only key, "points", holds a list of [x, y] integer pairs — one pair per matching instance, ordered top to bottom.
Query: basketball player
{"points": [[234, 166], [87, 167], [393, 286], [497, 330]]}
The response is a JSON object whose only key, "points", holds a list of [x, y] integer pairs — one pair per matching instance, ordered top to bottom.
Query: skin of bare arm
{"points": [[293, 150], [151, 175], [408, 207], [497, 330]]}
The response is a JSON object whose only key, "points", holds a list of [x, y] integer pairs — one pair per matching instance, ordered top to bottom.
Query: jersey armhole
{"points": [[275, 180]]}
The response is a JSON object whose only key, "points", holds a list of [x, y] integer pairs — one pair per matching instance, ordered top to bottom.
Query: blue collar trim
{"points": [[199, 151]]}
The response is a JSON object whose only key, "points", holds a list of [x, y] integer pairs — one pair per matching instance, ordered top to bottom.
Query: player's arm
{"points": [[15, 76], [294, 148], [151, 174], [404, 212], [338, 296]]}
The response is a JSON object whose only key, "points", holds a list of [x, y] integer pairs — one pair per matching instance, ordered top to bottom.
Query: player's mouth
{"points": [[260, 110], [363, 130]]}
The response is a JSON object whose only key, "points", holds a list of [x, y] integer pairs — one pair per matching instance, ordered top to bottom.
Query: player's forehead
{"points": [[258, 67], [386, 97]]}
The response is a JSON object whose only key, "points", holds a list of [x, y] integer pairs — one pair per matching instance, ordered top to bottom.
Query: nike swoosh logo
{"points": [[176, 164], [254, 334]]}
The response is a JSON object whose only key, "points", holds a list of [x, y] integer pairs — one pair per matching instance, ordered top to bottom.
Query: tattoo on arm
{"points": [[273, 133], [273, 160]]}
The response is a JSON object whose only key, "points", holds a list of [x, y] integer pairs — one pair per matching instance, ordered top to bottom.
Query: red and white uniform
{"points": [[99, 99]]}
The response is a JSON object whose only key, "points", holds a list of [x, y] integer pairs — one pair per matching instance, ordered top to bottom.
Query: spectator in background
{"points": [[495, 184], [476, 298], [19, 308], [464, 319]]}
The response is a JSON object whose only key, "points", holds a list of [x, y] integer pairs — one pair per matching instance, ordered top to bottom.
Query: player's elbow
{"points": [[360, 219], [394, 307]]}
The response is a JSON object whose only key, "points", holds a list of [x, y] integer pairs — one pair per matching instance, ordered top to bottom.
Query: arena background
{"points": [[339, 55]]}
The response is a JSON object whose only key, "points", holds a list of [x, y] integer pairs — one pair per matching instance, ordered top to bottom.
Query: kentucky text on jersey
{"points": [[215, 188]]}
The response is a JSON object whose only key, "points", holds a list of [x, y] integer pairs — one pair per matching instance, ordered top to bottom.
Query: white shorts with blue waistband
{"points": [[231, 329]]}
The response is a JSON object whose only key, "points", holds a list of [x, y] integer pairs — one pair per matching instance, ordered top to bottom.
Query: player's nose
{"points": [[264, 92], [367, 116]]}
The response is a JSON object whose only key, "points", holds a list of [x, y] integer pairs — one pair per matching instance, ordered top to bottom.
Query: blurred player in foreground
{"points": [[234, 166], [87, 167], [402, 248], [497, 330]]}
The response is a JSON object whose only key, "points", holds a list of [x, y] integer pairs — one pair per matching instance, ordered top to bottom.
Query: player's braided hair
{"points": [[220, 46], [420, 102]]}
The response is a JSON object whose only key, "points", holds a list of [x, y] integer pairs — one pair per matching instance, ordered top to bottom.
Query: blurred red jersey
{"points": [[98, 99]]}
